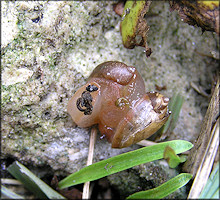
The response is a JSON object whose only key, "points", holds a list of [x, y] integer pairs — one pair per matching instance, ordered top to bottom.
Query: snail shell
{"points": [[114, 98]]}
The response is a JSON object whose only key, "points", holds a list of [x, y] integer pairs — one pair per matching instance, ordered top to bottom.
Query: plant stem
{"points": [[85, 194]]}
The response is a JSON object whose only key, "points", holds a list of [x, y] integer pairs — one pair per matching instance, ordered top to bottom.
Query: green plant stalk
{"points": [[175, 106], [124, 161], [32, 182], [165, 189], [9, 194]]}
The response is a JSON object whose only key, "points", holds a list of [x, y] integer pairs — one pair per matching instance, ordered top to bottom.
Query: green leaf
{"points": [[130, 19], [174, 106], [171, 157], [124, 161], [32, 182], [165, 189], [211, 189], [5, 192]]}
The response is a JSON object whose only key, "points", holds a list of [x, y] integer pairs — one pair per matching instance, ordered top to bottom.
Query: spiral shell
{"points": [[114, 98]]}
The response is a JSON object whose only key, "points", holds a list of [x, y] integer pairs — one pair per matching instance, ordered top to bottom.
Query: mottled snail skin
{"points": [[114, 98]]}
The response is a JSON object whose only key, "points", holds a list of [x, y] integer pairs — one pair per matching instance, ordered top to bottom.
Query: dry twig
{"points": [[93, 135]]}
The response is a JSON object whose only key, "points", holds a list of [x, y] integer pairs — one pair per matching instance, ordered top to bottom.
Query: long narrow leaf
{"points": [[175, 106], [123, 161], [32, 182], [211, 188], [165, 189], [5, 192], [215, 195]]}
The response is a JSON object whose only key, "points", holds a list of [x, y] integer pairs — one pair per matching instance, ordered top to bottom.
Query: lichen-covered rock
{"points": [[57, 45], [51, 51]]}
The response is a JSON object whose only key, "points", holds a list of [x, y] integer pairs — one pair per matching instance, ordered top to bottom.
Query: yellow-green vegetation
{"points": [[211, 4], [132, 22], [171, 157]]}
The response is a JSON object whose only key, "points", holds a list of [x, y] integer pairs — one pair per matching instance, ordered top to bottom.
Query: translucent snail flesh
{"points": [[114, 98]]}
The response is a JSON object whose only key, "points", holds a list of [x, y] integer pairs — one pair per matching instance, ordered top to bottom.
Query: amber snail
{"points": [[114, 98]]}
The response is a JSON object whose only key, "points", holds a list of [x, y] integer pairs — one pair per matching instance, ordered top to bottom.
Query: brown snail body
{"points": [[114, 98]]}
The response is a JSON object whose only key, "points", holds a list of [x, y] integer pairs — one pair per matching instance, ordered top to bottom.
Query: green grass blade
{"points": [[175, 106], [124, 161], [32, 182], [165, 189], [211, 189], [9, 194], [215, 195]]}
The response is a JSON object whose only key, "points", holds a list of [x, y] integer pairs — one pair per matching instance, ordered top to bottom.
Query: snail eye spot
{"points": [[91, 88], [87, 97], [85, 101]]}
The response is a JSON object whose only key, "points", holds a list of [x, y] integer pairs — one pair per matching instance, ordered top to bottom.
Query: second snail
{"points": [[114, 97]]}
